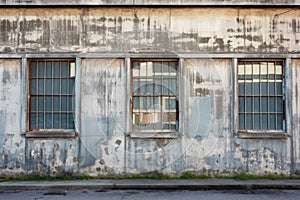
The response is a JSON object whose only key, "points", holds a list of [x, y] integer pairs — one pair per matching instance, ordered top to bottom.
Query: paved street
{"points": [[150, 194]]}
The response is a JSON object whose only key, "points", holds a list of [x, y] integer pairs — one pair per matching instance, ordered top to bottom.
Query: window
{"points": [[51, 93], [154, 95], [260, 95]]}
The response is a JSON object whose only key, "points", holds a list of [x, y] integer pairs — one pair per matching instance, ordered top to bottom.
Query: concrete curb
{"points": [[152, 185]]}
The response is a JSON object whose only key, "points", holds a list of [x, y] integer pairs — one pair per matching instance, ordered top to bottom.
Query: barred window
{"points": [[51, 94], [154, 95], [261, 95]]}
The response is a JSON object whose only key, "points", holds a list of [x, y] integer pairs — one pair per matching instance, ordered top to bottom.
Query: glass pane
{"points": [[143, 68], [165, 68], [173, 68], [241, 68], [248, 68], [256, 68], [263, 68], [271, 68], [278, 68], [49, 69], [56, 69], [64, 69], [135, 69], [157, 69], [33, 70], [41, 71], [33, 86], [41, 86], [48, 86], [56, 86], [64, 86], [71, 86], [135, 86], [158, 86], [166, 86], [172, 86], [143, 87], [150, 88], [241, 88], [248, 88], [256, 88], [264, 88], [271, 88], [279, 88], [135, 102], [33, 103], [41, 103], [48, 103], [56, 103], [64, 103], [71, 103], [143, 103], [241, 104], [249, 104], [256, 104], [264, 104], [272, 104], [279, 104], [150, 105], [48, 120], [56, 120], [64, 120], [40, 121], [71, 121], [249, 121], [264, 121], [272, 121], [32, 122], [279, 122], [256, 124]]}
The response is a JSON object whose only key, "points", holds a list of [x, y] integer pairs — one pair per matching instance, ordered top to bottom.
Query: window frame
{"points": [[52, 132], [163, 133], [261, 133]]}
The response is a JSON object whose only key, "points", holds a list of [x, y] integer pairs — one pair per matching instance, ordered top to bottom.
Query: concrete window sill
{"points": [[51, 134], [154, 135], [263, 135]]}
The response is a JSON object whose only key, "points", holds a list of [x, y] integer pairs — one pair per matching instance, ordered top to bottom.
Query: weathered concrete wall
{"points": [[148, 29], [12, 145]]}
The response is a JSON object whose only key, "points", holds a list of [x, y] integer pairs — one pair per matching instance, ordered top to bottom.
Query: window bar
{"points": [[52, 92], [44, 94], [37, 95], [59, 95], [68, 95], [268, 97]]}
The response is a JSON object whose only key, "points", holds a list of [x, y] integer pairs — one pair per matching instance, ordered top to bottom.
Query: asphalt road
{"points": [[150, 194]]}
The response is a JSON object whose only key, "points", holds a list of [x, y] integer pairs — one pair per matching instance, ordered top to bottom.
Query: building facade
{"points": [[146, 86]]}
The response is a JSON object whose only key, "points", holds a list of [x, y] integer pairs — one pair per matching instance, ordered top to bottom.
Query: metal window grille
{"points": [[51, 93], [154, 95], [260, 95]]}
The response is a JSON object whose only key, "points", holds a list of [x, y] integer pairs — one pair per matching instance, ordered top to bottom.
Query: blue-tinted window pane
{"points": [[165, 68], [49, 69], [56, 69], [64, 69], [33, 70], [41, 70], [33, 86], [41, 86], [48, 86], [56, 86], [64, 86], [71, 86], [135, 86], [165, 86], [172, 86], [158, 87], [143, 88], [241, 88], [248, 88], [256, 88], [264, 88], [271, 88], [279, 88], [135, 102], [33, 103], [41, 103], [48, 103], [56, 103], [64, 103], [71, 103], [143, 103], [241, 104], [249, 104], [256, 104], [264, 104], [272, 104], [279, 104], [48, 120], [56, 120], [41, 121], [64, 121], [71, 121], [249, 121], [264, 121], [273, 121], [32, 122], [279, 122], [256, 124]]}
